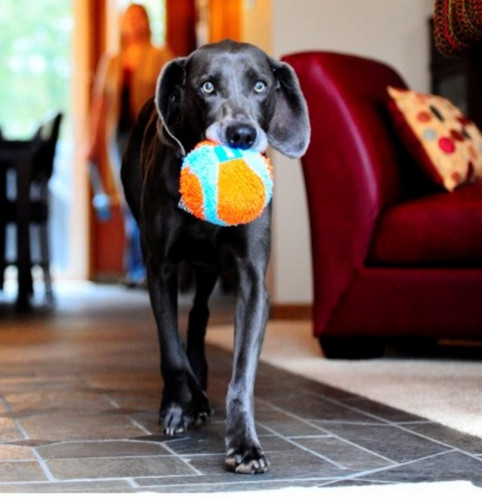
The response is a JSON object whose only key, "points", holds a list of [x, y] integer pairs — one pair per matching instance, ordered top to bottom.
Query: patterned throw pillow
{"points": [[444, 141]]}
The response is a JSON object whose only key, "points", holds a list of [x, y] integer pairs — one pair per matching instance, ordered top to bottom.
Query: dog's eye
{"points": [[260, 86], [207, 87]]}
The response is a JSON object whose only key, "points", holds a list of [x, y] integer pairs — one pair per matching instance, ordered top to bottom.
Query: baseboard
{"points": [[291, 311]]}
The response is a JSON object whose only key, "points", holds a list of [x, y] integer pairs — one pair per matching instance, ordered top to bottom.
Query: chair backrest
{"points": [[45, 142]]}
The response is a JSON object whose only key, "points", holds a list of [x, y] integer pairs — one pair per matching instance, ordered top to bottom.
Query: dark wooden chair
{"points": [[41, 152]]}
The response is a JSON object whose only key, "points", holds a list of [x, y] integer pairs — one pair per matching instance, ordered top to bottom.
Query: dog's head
{"points": [[234, 94]]}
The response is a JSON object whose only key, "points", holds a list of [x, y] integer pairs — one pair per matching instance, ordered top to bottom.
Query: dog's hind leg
{"points": [[198, 320], [184, 400]]}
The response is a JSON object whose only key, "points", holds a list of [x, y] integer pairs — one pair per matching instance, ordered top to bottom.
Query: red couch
{"points": [[393, 255]]}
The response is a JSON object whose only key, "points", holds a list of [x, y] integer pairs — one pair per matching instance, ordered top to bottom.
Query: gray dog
{"points": [[234, 94]]}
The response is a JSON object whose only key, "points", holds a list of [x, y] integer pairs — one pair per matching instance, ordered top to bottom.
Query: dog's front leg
{"points": [[183, 400], [244, 452]]}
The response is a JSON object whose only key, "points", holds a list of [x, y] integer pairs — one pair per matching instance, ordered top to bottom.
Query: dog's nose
{"points": [[241, 136]]}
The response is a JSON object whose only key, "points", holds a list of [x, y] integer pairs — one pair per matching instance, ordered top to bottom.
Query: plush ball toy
{"points": [[225, 186]]}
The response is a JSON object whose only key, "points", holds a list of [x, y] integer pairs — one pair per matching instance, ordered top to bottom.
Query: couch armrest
{"points": [[351, 167], [343, 209]]}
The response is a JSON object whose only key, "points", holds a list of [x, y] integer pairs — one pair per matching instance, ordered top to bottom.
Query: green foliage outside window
{"points": [[35, 62]]}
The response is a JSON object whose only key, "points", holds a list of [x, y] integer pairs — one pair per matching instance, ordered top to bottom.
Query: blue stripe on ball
{"points": [[225, 154], [204, 163]]}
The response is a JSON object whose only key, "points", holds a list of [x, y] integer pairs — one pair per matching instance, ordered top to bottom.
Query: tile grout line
{"points": [[111, 401], [358, 410], [400, 426], [331, 434], [166, 447], [304, 448], [449, 448], [184, 460], [41, 462], [361, 474], [132, 481]]}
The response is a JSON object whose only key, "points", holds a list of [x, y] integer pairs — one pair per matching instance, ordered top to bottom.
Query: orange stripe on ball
{"points": [[192, 193], [241, 193]]}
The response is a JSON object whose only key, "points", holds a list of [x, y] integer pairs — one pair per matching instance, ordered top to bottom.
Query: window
{"points": [[35, 66], [35, 76]]}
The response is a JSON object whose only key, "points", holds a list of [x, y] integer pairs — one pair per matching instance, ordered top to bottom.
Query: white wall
{"points": [[394, 31], [77, 231]]}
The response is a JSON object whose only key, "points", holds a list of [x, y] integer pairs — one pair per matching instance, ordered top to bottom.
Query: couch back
{"points": [[352, 135]]}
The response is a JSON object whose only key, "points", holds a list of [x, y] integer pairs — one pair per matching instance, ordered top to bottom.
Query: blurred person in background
{"points": [[123, 83]]}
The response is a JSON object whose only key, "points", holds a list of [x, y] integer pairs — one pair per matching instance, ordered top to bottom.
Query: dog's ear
{"points": [[169, 96], [289, 131]]}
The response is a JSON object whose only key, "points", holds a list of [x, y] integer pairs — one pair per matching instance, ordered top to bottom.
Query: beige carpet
{"points": [[445, 390]]}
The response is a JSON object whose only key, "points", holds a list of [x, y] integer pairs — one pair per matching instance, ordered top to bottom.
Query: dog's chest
{"points": [[201, 245]]}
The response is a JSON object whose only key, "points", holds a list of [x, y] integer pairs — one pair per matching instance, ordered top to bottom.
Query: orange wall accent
{"points": [[225, 18], [180, 29]]}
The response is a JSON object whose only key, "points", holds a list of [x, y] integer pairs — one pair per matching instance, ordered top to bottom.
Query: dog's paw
{"points": [[201, 408], [201, 418], [175, 419], [249, 461]]}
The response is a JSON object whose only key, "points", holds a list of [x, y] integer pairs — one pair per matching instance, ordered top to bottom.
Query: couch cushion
{"points": [[443, 141], [440, 229]]}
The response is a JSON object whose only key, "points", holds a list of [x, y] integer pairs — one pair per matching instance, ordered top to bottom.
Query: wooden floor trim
{"points": [[291, 311]]}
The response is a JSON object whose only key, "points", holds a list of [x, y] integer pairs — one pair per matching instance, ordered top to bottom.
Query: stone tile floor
{"points": [[79, 393]]}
